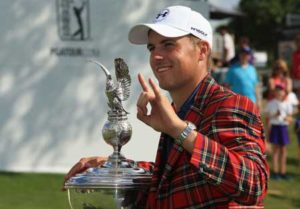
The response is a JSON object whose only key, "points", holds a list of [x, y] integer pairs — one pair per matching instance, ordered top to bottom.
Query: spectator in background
{"points": [[243, 43], [228, 46], [296, 66], [279, 76], [242, 78], [279, 111], [297, 130]]}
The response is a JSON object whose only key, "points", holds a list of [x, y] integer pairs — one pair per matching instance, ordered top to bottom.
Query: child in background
{"points": [[279, 111], [297, 129]]}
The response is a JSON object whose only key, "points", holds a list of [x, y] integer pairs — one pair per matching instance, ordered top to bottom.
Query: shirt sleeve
{"points": [[290, 109], [232, 157]]}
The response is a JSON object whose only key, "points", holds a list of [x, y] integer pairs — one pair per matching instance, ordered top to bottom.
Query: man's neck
{"points": [[244, 65], [181, 95], [179, 99]]}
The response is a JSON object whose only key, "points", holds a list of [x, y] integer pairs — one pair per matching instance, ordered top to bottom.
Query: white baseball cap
{"points": [[174, 21]]}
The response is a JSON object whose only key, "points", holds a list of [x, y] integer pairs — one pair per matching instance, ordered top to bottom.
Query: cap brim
{"points": [[139, 33]]}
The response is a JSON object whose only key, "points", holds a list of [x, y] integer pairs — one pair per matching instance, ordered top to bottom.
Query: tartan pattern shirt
{"points": [[227, 168]]}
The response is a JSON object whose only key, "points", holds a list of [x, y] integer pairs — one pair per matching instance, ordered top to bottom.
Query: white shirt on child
{"points": [[284, 107]]}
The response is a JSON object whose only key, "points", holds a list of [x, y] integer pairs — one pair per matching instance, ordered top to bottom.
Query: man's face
{"points": [[244, 58], [174, 62]]}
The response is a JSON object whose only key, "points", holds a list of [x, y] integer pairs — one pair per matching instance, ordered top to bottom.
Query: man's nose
{"points": [[157, 54]]}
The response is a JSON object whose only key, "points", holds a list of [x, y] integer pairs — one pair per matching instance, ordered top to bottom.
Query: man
{"points": [[243, 43], [228, 45], [242, 77], [211, 150]]}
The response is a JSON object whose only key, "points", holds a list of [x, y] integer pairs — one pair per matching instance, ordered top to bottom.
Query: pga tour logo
{"points": [[73, 20]]}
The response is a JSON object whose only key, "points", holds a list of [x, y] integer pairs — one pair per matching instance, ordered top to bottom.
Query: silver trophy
{"points": [[117, 130], [116, 183]]}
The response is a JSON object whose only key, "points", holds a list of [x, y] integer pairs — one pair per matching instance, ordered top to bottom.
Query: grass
{"points": [[32, 191], [42, 191]]}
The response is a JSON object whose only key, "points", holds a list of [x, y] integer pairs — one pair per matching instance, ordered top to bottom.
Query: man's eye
{"points": [[168, 44], [150, 48]]}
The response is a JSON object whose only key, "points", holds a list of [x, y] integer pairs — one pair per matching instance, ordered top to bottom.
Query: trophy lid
{"points": [[99, 178]]}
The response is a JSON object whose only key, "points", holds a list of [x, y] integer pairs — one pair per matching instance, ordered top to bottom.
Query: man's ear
{"points": [[203, 50]]}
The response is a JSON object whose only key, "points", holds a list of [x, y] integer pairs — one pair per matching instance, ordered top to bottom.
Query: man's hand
{"points": [[162, 116], [83, 164]]}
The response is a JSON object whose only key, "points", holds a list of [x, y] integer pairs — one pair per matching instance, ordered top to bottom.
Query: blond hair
{"points": [[280, 64]]}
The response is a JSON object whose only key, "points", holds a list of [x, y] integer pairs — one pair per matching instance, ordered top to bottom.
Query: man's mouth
{"points": [[162, 69]]}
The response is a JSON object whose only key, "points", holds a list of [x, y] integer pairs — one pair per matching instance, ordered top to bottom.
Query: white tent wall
{"points": [[52, 102]]}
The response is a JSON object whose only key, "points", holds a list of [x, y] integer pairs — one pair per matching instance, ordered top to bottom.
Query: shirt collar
{"points": [[188, 102]]}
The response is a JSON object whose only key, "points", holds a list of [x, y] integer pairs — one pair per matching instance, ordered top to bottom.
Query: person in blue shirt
{"points": [[244, 43], [242, 77]]}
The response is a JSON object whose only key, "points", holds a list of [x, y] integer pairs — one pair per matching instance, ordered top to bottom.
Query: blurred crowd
{"points": [[234, 67]]}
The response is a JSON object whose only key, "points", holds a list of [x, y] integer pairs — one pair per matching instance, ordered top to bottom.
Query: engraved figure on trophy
{"points": [[116, 93], [117, 130]]}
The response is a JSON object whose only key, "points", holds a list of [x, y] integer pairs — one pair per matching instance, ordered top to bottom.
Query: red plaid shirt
{"points": [[227, 168]]}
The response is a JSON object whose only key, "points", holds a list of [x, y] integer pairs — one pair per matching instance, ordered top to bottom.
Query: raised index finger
{"points": [[143, 82]]}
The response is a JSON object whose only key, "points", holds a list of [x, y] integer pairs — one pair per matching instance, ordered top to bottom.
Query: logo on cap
{"points": [[162, 15], [199, 31]]}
